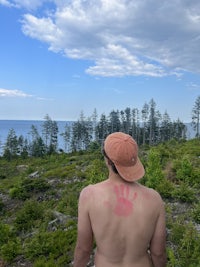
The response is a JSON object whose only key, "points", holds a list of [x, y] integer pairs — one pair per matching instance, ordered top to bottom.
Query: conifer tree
{"points": [[145, 115], [196, 116], [127, 120], [114, 121], [153, 122], [94, 125], [165, 127], [102, 129], [179, 130], [81, 133], [50, 134], [67, 137], [11, 145], [37, 146]]}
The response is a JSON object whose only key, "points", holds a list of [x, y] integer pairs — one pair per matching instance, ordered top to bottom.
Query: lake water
{"points": [[23, 127]]}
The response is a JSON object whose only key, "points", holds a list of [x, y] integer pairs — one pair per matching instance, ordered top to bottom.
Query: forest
{"points": [[147, 126], [40, 186]]}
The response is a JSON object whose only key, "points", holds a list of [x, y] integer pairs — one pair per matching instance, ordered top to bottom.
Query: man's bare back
{"points": [[123, 219], [126, 219]]}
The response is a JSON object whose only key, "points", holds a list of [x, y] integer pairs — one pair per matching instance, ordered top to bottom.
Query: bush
{"points": [[96, 172], [35, 185], [27, 187], [165, 188], [18, 193], [184, 193], [1, 205], [196, 213], [26, 218], [5, 233], [10, 245], [57, 246], [189, 247], [10, 250], [43, 262]]}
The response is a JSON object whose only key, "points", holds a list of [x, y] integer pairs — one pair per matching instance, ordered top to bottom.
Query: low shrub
{"points": [[35, 185], [27, 187], [18, 193], [184, 193], [196, 213], [28, 215], [10, 245], [55, 247], [10, 250]]}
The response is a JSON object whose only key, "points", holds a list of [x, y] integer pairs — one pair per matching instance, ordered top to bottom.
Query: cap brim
{"points": [[131, 173]]}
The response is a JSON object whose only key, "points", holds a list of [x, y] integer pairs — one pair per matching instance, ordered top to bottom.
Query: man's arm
{"points": [[85, 236], [158, 242]]}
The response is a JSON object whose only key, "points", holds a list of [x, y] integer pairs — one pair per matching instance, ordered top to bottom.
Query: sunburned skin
{"points": [[124, 203]]}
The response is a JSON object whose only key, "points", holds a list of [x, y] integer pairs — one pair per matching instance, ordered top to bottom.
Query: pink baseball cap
{"points": [[122, 150]]}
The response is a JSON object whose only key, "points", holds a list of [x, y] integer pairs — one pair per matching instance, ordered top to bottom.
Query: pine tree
{"points": [[145, 115], [196, 116], [128, 120], [114, 121], [153, 122], [94, 125], [165, 128], [102, 129], [179, 130], [81, 133], [50, 134], [67, 137], [11, 146], [37, 146]]}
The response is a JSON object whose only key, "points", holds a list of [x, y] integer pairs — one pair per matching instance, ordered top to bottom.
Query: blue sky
{"points": [[63, 57]]}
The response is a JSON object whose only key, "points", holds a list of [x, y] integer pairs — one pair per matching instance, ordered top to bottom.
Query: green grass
{"points": [[30, 229]]}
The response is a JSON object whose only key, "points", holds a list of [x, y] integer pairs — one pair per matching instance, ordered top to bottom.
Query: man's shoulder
{"points": [[92, 188], [89, 189], [151, 192]]}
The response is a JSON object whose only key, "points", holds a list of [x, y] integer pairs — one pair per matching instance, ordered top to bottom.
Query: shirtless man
{"points": [[126, 219]]}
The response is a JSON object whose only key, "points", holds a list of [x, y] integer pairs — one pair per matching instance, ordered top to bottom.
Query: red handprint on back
{"points": [[124, 204]]}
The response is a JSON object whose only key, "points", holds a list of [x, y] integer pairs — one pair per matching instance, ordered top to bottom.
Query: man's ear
{"points": [[108, 161]]}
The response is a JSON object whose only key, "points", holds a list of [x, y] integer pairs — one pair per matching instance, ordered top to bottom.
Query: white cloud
{"points": [[6, 3], [28, 4], [120, 37], [193, 86], [12, 93]]}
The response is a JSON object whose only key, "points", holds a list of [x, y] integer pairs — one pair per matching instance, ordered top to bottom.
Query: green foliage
{"points": [[184, 171], [96, 172], [154, 174], [63, 177], [35, 185], [27, 187], [165, 188], [19, 193], [184, 193], [69, 202], [1, 206], [196, 213], [27, 216], [177, 231], [5, 233], [10, 245], [56, 245], [186, 245], [189, 247], [10, 250], [172, 261], [43, 262]]}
